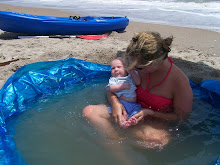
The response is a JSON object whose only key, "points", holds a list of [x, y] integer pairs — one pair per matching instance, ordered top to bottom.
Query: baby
{"points": [[123, 84]]}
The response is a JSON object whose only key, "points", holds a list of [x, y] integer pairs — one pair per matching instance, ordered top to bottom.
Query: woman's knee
{"points": [[88, 111], [94, 111], [152, 138], [162, 138]]}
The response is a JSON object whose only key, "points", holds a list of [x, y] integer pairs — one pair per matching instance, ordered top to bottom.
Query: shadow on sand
{"points": [[196, 72]]}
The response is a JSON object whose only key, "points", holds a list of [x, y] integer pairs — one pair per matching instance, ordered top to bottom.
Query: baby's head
{"points": [[118, 68]]}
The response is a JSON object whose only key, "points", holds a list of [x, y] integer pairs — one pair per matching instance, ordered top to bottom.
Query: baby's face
{"points": [[118, 69]]}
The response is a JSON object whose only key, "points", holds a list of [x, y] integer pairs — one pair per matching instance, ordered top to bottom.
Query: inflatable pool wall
{"points": [[33, 81]]}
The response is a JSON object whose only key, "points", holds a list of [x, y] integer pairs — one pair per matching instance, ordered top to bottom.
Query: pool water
{"points": [[53, 132]]}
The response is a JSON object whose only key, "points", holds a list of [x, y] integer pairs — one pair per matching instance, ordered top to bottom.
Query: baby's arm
{"points": [[135, 76], [119, 87]]}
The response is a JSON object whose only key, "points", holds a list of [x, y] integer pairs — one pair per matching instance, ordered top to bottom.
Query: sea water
{"points": [[203, 14], [53, 132]]}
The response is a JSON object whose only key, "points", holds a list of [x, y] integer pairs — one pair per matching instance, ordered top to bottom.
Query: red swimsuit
{"points": [[152, 101]]}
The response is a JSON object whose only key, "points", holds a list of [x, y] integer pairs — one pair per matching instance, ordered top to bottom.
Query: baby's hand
{"points": [[131, 71]]}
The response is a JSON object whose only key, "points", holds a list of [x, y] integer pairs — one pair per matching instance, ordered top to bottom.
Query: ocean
{"points": [[203, 14]]}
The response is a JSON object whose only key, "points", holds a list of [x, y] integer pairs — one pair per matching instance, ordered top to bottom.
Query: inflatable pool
{"points": [[37, 80]]}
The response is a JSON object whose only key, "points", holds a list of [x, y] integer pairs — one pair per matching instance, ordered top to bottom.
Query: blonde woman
{"points": [[164, 93]]}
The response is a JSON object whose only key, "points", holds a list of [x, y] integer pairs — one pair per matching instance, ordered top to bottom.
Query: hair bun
{"points": [[134, 39], [168, 41], [166, 44]]}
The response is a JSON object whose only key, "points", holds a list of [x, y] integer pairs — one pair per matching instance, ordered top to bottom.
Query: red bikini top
{"points": [[152, 101]]}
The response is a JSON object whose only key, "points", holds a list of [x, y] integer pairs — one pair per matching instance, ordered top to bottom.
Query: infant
{"points": [[123, 84]]}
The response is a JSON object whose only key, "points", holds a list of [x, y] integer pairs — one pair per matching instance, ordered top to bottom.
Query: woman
{"points": [[164, 93]]}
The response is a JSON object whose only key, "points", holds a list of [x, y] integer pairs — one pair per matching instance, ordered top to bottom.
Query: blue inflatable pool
{"points": [[36, 80]]}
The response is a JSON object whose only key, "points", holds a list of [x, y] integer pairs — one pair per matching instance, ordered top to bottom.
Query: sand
{"points": [[195, 51]]}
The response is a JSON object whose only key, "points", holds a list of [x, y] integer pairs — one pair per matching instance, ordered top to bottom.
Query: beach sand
{"points": [[195, 51]]}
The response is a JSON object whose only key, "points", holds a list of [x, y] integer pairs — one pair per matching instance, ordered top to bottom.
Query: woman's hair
{"points": [[150, 46]]}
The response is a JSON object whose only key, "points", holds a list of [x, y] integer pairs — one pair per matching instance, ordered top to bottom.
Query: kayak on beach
{"points": [[50, 25]]}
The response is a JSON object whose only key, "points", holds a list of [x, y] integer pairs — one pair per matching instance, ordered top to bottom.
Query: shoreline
{"points": [[134, 19], [195, 51]]}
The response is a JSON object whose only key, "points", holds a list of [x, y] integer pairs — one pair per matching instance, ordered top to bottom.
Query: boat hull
{"points": [[50, 25]]}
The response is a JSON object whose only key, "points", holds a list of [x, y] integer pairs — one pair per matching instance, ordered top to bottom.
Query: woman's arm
{"points": [[183, 99], [118, 109], [164, 116]]}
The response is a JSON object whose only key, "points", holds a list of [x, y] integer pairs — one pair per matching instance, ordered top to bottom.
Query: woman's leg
{"points": [[100, 119], [151, 134]]}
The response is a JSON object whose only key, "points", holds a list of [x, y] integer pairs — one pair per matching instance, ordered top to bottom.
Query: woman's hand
{"points": [[119, 113], [143, 113]]}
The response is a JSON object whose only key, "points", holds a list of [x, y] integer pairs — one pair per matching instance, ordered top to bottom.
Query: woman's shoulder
{"points": [[179, 78], [182, 91]]}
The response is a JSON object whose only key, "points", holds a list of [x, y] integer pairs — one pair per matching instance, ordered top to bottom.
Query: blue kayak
{"points": [[50, 25]]}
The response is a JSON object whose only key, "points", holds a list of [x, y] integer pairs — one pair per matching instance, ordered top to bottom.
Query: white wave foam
{"points": [[51, 1], [216, 15]]}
